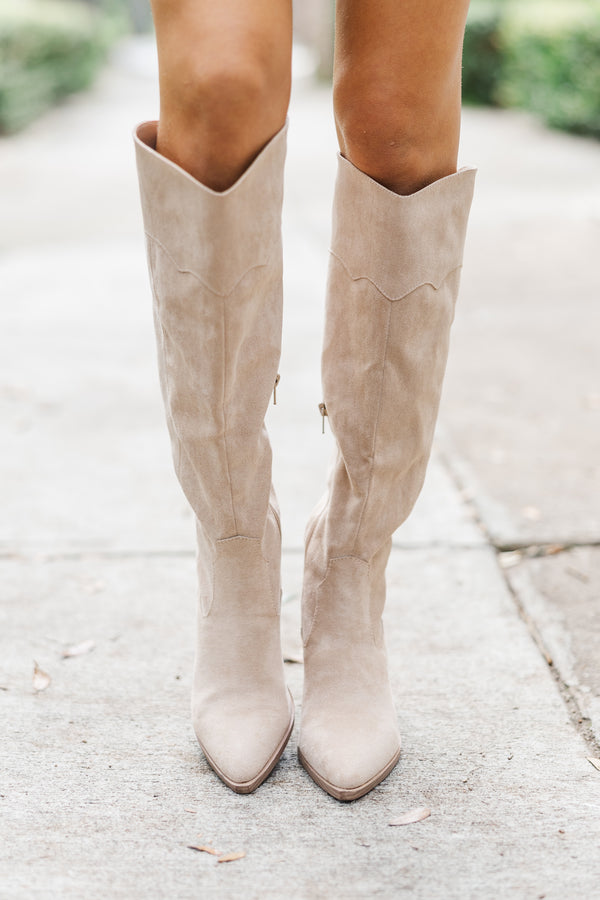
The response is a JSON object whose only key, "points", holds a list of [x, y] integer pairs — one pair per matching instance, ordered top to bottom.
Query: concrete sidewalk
{"points": [[496, 573]]}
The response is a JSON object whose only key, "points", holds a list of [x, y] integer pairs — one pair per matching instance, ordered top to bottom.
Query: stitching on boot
{"points": [[198, 278], [378, 287], [224, 321], [163, 337], [374, 444], [181, 446], [182, 449], [276, 517], [242, 537], [212, 592], [315, 593]]}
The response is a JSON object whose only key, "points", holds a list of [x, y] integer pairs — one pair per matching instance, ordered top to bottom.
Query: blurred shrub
{"points": [[48, 49], [482, 55], [541, 55], [552, 63]]}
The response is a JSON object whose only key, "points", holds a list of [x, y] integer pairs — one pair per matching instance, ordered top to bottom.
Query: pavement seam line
{"points": [[581, 723]]}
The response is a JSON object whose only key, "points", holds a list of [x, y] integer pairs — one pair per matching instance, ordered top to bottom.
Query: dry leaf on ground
{"points": [[510, 558], [78, 649], [41, 679], [594, 762], [414, 815], [203, 849], [230, 857]]}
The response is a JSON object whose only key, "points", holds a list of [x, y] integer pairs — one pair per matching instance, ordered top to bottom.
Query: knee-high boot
{"points": [[216, 269], [393, 280]]}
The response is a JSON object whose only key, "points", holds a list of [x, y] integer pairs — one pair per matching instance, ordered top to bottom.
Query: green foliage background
{"points": [[48, 49], [540, 55]]}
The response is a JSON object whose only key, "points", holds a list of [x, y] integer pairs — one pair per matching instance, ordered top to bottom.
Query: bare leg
{"points": [[225, 74], [397, 88]]}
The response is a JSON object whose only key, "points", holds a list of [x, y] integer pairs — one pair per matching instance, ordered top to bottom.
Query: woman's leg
{"points": [[225, 74], [397, 88], [395, 262], [216, 268]]}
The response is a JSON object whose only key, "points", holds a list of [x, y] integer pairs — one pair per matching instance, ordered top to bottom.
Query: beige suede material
{"points": [[215, 265], [216, 271], [393, 281]]}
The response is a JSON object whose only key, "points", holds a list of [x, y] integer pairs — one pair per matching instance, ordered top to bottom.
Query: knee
{"points": [[228, 96], [217, 114], [404, 142]]}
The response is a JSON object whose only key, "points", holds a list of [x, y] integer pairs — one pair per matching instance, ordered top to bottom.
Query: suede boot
{"points": [[216, 272], [393, 280]]}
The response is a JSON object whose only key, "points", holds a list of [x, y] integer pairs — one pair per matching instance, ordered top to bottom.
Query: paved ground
{"points": [[496, 574]]}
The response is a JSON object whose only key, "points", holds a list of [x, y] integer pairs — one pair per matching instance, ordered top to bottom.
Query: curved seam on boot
{"points": [[198, 278], [394, 299], [223, 407], [169, 413], [181, 445], [373, 446], [275, 516], [243, 537], [212, 590], [315, 592]]}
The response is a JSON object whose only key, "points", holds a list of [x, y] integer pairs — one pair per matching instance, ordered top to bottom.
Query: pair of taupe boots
{"points": [[216, 269]]}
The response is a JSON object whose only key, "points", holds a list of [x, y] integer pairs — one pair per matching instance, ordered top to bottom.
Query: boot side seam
{"points": [[199, 279], [395, 298], [163, 335], [223, 407], [375, 430], [315, 593], [275, 602]]}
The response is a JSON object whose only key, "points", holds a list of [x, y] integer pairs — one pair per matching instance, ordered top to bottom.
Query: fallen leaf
{"points": [[553, 549], [510, 558], [575, 573], [78, 649], [41, 679], [594, 762], [190, 811], [414, 815], [203, 849], [230, 857]]}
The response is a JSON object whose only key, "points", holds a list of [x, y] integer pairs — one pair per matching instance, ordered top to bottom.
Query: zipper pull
{"points": [[277, 380], [323, 411]]}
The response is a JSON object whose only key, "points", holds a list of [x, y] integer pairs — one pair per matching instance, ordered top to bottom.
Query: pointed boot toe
{"points": [[243, 747], [349, 758]]}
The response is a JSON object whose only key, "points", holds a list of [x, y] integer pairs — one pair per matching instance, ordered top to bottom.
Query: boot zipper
{"points": [[323, 411]]}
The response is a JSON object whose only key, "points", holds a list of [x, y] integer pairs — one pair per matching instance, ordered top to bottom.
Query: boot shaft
{"points": [[215, 262]]}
